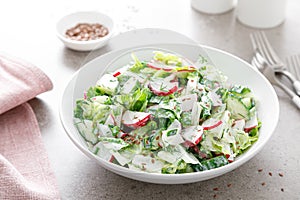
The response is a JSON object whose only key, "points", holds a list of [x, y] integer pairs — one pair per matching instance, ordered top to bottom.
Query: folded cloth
{"points": [[19, 82], [25, 171]]}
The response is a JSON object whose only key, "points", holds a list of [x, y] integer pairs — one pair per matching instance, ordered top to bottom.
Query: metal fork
{"points": [[261, 44], [260, 63], [293, 64]]}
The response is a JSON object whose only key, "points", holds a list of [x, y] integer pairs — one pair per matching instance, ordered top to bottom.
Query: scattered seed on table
{"points": [[260, 170], [270, 173], [280, 174], [263, 183], [229, 185], [216, 189], [282, 190], [215, 196]]}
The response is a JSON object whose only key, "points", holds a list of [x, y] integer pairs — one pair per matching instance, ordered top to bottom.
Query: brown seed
{"points": [[86, 31], [260, 170], [270, 173], [280, 174], [263, 183], [229, 185], [216, 189], [282, 190], [215, 196]]}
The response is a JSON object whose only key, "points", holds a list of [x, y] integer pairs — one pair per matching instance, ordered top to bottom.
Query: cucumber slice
{"points": [[129, 86], [247, 102], [237, 108], [86, 130], [212, 163]]}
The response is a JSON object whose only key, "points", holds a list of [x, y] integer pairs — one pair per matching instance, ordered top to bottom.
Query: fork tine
{"points": [[254, 42], [259, 46], [263, 47], [266, 50], [270, 50], [297, 66]]}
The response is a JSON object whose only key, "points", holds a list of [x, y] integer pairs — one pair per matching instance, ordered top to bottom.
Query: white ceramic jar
{"points": [[213, 6], [261, 13]]}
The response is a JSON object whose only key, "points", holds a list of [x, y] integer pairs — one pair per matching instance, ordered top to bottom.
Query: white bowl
{"points": [[73, 19], [238, 72]]}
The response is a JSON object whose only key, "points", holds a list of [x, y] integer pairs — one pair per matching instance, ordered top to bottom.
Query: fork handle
{"points": [[291, 77], [296, 85], [295, 98], [296, 101]]}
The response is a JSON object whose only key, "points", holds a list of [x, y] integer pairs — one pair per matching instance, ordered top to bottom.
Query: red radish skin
{"points": [[152, 65], [116, 74], [163, 93], [115, 123], [139, 123], [212, 126], [248, 129], [122, 134], [189, 144], [112, 158]]}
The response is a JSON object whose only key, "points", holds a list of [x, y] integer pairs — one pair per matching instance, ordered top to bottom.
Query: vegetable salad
{"points": [[165, 115]]}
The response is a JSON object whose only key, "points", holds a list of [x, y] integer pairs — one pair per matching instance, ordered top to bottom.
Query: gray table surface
{"points": [[28, 31]]}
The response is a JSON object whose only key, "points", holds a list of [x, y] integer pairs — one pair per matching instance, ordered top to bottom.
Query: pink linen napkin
{"points": [[25, 171]]}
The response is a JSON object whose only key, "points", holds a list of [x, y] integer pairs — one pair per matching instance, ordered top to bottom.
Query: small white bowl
{"points": [[73, 19]]}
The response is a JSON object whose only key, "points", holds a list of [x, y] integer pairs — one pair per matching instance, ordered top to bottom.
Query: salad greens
{"points": [[165, 115]]}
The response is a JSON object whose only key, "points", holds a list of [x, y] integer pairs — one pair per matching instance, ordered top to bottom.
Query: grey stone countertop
{"points": [[28, 31]]}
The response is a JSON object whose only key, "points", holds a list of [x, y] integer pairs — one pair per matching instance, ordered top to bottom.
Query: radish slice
{"points": [[160, 66], [136, 76], [172, 78], [109, 82], [129, 85], [192, 85], [164, 87], [215, 98], [100, 99], [187, 101], [116, 112], [196, 112], [135, 119], [110, 120], [211, 123], [239, 124], [250, 124], [217, 126], [105, 130], [121, 134], [193, 134], [172, 136], [102, 152], [170, 157], [187, 157], [120, 158], [147, 163]]}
